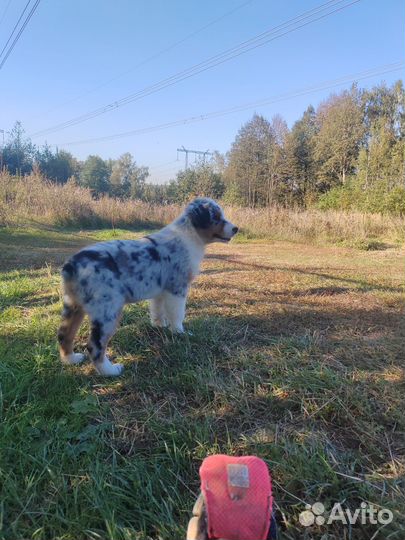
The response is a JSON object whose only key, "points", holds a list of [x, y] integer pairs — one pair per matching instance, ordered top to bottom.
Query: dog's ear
{"points": [[200, 215]]}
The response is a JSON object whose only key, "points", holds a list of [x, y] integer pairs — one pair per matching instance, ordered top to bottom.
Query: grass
{"points": [[296, 356]]}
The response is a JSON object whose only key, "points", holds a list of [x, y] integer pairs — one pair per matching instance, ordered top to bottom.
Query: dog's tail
{"points": [[69, 271], [69, 277]]}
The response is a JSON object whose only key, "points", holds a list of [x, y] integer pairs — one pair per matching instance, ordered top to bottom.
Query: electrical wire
{"points": [[5, 11], [15, 27], [21, 30], [242, 48], [152, 57], [326, 85]]}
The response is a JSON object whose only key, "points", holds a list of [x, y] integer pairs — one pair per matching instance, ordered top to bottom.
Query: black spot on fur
{"points": [[200, 216], [152, 240], [154, 254], [89, 255], [135, 256], [102, 257], [112, 265], [68, 270], [140, 277], [159, 281], [84, 282], [129, 290], [68, 311], [96, 333], [61, 336]]}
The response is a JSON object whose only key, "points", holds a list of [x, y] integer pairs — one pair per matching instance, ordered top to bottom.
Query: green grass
{"points": [[296, 356]]}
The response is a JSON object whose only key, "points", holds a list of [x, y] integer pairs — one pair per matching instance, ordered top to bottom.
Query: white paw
{"points": [[177, 329], [74, 358], [108, 369]]}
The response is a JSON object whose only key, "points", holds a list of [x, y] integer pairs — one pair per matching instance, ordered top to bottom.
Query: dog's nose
{"points": [[235, 230]]}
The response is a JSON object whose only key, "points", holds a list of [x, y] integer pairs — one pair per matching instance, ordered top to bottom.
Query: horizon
{"points": [[243, 78]]}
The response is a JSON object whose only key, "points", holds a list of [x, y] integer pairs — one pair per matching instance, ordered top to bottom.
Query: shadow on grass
{"points": [[26, 248], [362, 284], [276, 388]]}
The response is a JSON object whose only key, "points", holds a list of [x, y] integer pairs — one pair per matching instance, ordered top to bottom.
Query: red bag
{"points": [[238, 497]]}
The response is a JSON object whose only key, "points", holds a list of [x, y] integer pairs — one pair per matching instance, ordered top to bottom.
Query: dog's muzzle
{"points": [[228, 232]]}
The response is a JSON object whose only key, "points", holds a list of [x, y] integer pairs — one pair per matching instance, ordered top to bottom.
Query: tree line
{"points": [[349, 152]]}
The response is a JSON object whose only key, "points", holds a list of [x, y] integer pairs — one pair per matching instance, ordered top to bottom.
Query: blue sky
{"points": [[70, 48]]}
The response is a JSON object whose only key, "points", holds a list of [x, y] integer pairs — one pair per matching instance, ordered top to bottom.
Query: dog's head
{"points": [[207, 217]]}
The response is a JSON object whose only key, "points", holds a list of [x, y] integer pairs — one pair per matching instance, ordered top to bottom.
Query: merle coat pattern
{"points": [[100, 279]]}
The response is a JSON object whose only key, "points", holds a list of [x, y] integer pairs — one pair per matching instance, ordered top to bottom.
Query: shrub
{"points": [[24, 200]]}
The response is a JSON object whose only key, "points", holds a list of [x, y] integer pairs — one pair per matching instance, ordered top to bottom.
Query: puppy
{"points": [[99, 280]]}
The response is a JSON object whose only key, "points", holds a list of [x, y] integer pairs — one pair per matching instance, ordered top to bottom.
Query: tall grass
{"points": [[24, 200]]}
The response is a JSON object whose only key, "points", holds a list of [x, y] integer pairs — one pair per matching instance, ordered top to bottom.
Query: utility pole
{"points": [[197, 152]]}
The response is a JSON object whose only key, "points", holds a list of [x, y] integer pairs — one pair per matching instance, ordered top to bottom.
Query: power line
{"points": [[5, 11], [313, 15], [15, 28], [21, 30], [153, 56], [194, 70], [326, 85]]}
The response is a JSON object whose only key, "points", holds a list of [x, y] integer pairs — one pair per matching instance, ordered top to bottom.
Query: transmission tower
{"points": [[197, 152]]}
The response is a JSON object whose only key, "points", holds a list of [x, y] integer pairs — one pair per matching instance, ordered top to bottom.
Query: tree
{"points": [[382, 102], [337, 143], [18, 152], [382, 158], [299, 165], [58, 166], [249, 174], [95, 175], [127, 178], [198, 181], [156, 193]]}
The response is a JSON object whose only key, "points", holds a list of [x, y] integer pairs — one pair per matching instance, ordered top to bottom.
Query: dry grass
{"points": [[31, 199], [296, 356]]}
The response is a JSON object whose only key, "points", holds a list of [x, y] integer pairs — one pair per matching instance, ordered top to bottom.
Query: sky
{"points": [[76, 56]]}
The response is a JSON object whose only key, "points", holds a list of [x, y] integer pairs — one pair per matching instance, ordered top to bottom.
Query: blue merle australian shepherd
{"points": [[99, 280]]}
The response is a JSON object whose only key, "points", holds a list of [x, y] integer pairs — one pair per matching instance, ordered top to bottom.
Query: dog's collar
{"points": [[152, 240]]}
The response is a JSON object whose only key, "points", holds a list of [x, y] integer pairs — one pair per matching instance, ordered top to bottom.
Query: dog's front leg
{"points": [[175, 308], [157, 311]]}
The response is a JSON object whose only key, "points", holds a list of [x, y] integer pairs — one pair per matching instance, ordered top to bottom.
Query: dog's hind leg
{"points": [[157, 311], [72, 317], [100, 334]]}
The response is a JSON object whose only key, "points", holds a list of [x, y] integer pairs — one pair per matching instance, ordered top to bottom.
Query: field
{"points": [[296, 355]]}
